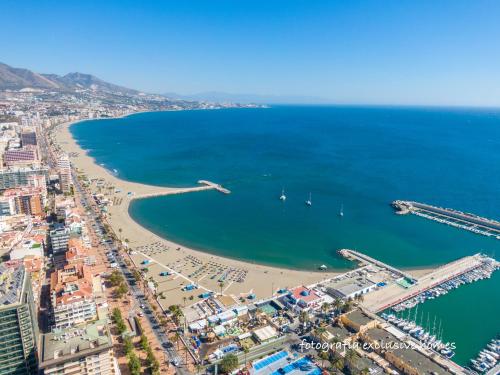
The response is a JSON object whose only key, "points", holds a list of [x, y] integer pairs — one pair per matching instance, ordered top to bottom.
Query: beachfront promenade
{"points": [[394, 294]]}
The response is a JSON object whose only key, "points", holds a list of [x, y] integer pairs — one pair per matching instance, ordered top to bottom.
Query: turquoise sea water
{"points": [[361, 158]]}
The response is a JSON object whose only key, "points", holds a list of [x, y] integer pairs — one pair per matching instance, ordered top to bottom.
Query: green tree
{"points": [[116, 278], [121, 290], [144, 342], [128, 346], [229, 363], [134, 364]]}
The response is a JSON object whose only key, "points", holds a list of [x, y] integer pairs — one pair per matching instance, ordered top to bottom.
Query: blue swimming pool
{"points": [[269, 360], [302, 366]]}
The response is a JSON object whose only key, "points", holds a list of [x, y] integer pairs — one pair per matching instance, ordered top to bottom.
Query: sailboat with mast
{"points": [[283, 196], [309, 201]]}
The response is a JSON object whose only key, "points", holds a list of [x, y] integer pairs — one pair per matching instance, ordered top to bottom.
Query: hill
{"points": [[18, 78]]}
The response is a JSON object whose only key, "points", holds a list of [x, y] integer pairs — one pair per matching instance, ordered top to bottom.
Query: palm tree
{"points": [[221, 285], [184, 299], [337, 304], [324, 309], [304, 318], [318, 332], [177, 338], [245, 350], [351, 357], [338, 363]]}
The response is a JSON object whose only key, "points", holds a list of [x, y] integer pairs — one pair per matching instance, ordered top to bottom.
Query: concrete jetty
{"points": [[215, 186], [161, 191], [458, 219], [363, 258], [394, 294]]}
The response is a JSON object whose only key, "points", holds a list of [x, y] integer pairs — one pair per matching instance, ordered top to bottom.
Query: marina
{"points": [[448, 216], [481, 272], [401, 291], [429, 333], [488, 358]]}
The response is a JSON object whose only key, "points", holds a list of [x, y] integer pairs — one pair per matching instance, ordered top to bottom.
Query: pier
{"points": [[215, 186], [160, 191], [457, 219], [363, 258], [395, 294]]}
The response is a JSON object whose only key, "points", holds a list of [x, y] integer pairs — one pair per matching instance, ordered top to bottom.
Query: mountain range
{"points": [[18, 78]]}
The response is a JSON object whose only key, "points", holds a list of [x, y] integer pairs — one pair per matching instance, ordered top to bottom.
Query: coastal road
{"points": [[137, 294]]}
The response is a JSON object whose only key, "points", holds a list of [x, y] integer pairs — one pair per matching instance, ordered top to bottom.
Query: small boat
{"points": [[283, 196], [309, 201], [341, 213], [323, 267]]}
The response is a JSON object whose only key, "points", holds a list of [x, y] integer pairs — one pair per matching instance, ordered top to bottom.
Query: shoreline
{"points": [[175, 258]]}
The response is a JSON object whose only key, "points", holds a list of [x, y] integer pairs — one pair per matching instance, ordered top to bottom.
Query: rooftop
{"points": [[12, 277], [348, 286], [305, 294], [359, 317], [76, 342], [412, 357]]}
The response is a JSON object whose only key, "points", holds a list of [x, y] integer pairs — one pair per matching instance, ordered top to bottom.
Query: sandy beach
{"points": [[184, 265]]}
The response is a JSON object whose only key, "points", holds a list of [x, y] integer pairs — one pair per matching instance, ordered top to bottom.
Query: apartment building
{"points": [[72, 295], [18, 322], [79, 350]]}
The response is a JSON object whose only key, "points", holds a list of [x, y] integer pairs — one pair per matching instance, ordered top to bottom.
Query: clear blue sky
{"points": [[387, 52]]}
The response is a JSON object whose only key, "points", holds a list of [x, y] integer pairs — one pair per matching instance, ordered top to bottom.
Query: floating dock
{"points": [[457, 219]]}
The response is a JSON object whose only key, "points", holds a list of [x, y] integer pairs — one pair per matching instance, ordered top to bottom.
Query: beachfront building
{"points": [[64, 171], [18, 177], [59, 239], [349, 287], [72, 295], [303, 298], [18, 321], [86, 349]]}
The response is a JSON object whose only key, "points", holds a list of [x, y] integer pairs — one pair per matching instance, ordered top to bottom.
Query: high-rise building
{"points": [[64, 170], [18, 322], [83, 350]]}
